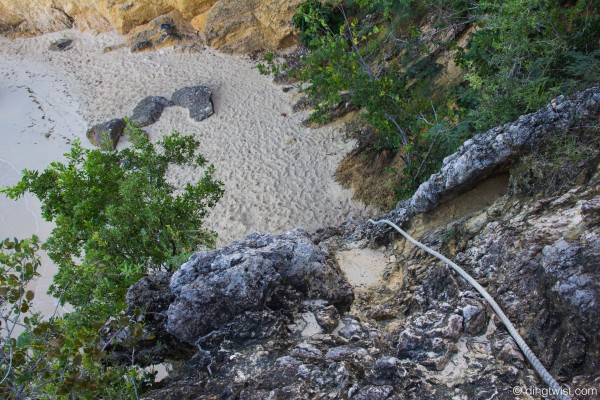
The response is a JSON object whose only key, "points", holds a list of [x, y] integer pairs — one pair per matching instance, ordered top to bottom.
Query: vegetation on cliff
{"points": [[426, 75], [429, 75]]}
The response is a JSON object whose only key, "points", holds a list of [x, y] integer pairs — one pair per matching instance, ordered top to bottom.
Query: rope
{"points": [[533, 360]]}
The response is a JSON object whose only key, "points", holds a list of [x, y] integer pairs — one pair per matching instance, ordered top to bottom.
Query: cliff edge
{"points": [[355, 312]]}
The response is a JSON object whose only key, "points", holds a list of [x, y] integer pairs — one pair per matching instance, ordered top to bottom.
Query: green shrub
{"points": [[314, 19], [527, 52], [383, 56], [395, 98], [118, 217], [47, 358]]}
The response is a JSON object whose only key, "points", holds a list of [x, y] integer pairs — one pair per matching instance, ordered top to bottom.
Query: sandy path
{"points": [[277, 174]]}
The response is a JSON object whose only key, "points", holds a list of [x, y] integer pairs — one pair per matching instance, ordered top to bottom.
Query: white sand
{"points": [[33, 105], [277, 174], [363, 268]]}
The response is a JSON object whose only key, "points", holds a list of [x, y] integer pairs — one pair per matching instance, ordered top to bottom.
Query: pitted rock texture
{"points": [[242, 26], [484, 154], [481, 157], [216, 286], [260, 289], [148, 301], [423, 333], [439, 340]]}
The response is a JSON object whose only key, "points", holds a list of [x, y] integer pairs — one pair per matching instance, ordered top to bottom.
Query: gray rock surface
{"points": [[197, 99], [149, 110], [106, 134], [482, 156], [216, 286], [148, 301], [423, 333]]}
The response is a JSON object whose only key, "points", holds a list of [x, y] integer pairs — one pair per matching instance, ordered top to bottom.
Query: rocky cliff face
{"points": [[231, 25], [274, 316]]}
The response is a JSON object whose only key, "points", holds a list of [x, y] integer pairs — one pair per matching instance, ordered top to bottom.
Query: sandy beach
{"points": [[277, 174]]}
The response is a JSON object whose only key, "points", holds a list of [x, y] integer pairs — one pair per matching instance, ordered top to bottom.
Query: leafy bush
{"points": [[314, 19], [527, 52], [384, 54], [396, 98], [118, 217], [47, 359]]}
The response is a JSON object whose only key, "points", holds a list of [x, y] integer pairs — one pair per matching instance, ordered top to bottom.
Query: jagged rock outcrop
{"points": [[230, 25], [242, 26], [484, 155], [215, 287], [249, 290], [148, 301], [269, 315]]}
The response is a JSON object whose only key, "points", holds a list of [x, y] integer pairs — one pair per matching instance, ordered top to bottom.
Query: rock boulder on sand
{"points": [[61, 45], [197, 99], [149, 110], [106, 134]]}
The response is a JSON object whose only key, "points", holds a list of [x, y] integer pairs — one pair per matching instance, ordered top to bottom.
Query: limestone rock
{"points": [[36, 17], [248, 25], [241, 26], [166, 30], [197, 99], [106, 135], [484, 153], [482, 156], [538, 257], [216, 286], [147, 300], [475, 317], [430, 339]]}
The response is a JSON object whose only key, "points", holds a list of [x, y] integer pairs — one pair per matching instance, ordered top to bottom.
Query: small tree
{"points": [[118, 217], [18, 266], [44, 358]]}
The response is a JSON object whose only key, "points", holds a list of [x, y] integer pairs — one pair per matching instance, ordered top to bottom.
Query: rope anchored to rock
{"points": [[560, 393]]}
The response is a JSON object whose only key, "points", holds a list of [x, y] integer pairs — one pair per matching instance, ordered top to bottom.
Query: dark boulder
{"points": [[197, 99], [149, 110], [106, 135], [214, 287], [147, 302]]}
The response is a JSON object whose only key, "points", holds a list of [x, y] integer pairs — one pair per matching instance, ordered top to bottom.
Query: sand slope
{"points": [[277, 174]]}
